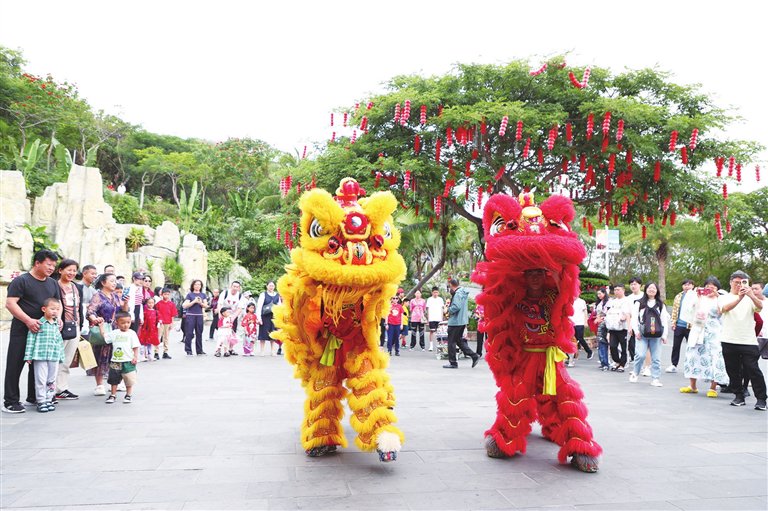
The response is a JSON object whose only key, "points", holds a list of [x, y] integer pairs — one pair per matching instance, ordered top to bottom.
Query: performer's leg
{"points": [[371, 400], [563, 421], [321, 430]]}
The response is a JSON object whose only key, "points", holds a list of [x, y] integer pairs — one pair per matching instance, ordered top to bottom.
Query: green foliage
{"points": [[187, 207], [125, 208], [41, 239], [135, 239], [220, 263], [173, 270], [270, 270], [591, 281], [472, 324]]}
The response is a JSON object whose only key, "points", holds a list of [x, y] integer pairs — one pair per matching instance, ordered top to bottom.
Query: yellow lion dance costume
{"points": [[335, 292]]}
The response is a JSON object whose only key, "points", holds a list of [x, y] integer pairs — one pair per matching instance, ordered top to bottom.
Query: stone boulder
{"points": [[15, 211], [167, 236]]}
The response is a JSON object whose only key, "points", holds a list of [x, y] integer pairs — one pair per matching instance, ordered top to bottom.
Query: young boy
{"points": [[166, 311], [44, 351], [125, 355]]}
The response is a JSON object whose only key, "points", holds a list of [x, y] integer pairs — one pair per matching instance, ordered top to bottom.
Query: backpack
{"points": [[613, 318], [651, 326]]}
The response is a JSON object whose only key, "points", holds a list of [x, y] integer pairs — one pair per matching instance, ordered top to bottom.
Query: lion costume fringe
{"points": [[335, 292], [528, 339]]}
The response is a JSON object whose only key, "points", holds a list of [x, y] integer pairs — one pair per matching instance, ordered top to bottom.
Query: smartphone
{"points": [[745, 283]]}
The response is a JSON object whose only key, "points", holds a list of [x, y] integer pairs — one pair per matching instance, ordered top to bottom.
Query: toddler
{"points": [[166, 311], [250, 329], [148, 332], [226, 337], [45, 349], [125, 354]]}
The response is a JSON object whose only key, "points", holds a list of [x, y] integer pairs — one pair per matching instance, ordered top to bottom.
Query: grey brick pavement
{"points": [[209, 433]]}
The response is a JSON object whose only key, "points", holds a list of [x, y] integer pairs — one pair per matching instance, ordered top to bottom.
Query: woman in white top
{"points": [[267, 300], [649, 323]]}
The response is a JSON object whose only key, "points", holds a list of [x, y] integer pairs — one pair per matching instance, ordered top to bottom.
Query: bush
{"points": [[125, 208], [135, 239], [220, 263], [173, 270], [270, 270]]}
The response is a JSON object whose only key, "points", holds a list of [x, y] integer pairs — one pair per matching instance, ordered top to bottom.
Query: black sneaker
{"points": [[226, 353], [233, 353], [591, 355], [157, 356], [166, 356], [475, 360], [450, 366], [66, 395], [111, 399], [738, 401], [760, 405], [13, 408]]}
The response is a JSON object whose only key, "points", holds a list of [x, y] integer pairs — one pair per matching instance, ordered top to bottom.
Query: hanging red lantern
{"points": [[539, 71], [369, 105], [406, 113], [423, 115], [346, 116], [396, 118], [331, 119], [364, 123], [606, 123], [503, 126], [590, 126], [483, 127], [620, 130], [519, 131], [569, 134], [333, 136], [354, 136], [448, 137], [551, 138], [694, 139], [673, 141], [416, 144], [438, 144], [604, 145], [527, 148], [475, 154], [684, 155], [540, 156], [629, 159], [582, 162], [719, 162], [731, 162], [611, 163], [564, 165], [450, 167], [468, 169], [657, 172], [738, 172], [499, 173], [757, 173], [590, 177], [407, 180], [608, 183], [725, 191], [479, 197], [667, 201], [438, 206], [624, 206], [672, 218], [650, 219], [615, 220], [584, 222], [728, 226], [718, 227], [294, 228], [591, 228], [644, 232], [278, 234]]}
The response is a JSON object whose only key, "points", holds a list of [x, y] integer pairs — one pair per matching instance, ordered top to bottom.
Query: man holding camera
{"points": [[740, 350]]}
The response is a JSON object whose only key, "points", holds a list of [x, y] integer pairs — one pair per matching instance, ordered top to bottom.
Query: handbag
{"points": [[266, 309], [69, 330], [95, 338], [762, 347], [85, 355]]}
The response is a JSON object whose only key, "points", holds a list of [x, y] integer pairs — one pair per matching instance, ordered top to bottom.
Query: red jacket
{"points": [[166, 311]]}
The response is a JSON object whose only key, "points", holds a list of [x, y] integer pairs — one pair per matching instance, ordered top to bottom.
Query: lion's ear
{"points": [[379, 207], [558, 208], [500, 210]]}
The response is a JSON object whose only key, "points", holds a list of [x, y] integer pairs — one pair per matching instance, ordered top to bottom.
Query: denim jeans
{"points": [[393, 338], [644, 344], [602, 353]]}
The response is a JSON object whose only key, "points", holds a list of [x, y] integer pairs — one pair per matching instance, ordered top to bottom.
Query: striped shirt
{"points": [[46, 344]]}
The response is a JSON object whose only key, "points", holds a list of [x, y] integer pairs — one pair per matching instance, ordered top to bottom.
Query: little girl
{"points": [[394, 324], [250, 329], [148, 333], [225, 335]]}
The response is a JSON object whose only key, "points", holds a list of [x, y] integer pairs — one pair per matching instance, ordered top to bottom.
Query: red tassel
{"points": [[369, 105], [439, 110], [423, 115], [396, 117], [606, 123], [590, 126], [483, 127], [620, 130], [519, 131], [569, 133], [333, 136], [448, 137], [673, 141], [416, 144], [438, 144], [604, 146], [527, 148], [475, 154], [684, 154], [540, 156], [629, 159], [582, 162], [611, 163], [564, 166], [468, 169], [657, 172], [499, 173], [377, 180], [608, 183], [466, 193], [479, 196], [645, 196], [665, 204], [624, 206], [416, 210], [672, 218], [650, 219], [615, 220], [664, 220], [584, 222], [431, 223], [728, 226], [718, 227], [591, 228], [645, 232]]}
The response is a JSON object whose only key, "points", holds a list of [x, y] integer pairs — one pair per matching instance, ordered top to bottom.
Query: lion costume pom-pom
{"points": [[530, 279], [335, 292]]}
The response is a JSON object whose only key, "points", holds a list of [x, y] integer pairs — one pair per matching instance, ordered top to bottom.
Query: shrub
{"points": [[125, 208], [135, 239], [220, 263], [173, 270]]}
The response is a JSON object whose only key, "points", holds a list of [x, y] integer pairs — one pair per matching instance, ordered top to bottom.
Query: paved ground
{"points": [[209, 433]]}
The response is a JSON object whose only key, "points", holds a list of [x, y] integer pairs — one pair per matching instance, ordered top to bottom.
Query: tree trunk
{"points": [[50, 151], [174, 190], [661, 259], [438, 266]]}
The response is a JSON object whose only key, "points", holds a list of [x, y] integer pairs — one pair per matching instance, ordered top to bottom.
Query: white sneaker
{"points": [[671, 369], [646, 371], [632, 378], [656, 383], [99, 391]]}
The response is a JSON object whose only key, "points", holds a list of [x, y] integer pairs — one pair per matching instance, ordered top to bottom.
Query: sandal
{"points": [[689, 390], [711, 393], [42, 407]]}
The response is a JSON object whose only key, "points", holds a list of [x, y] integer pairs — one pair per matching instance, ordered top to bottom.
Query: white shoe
{"points": [[671, 369], [646, 371], [632, 378], [656, 383], [99, 391]]}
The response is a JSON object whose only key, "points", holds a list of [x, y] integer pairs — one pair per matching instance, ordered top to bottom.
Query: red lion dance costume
{"points": [[528, 337]]}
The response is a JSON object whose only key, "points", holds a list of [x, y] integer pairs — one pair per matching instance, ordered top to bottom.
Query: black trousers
{"points": [[136, 323], [214, 325], [193, 327], [417, 329], [578, 331], [382, 332], [618, 338], [455, 339], [677, 341], [480, 343], [631, 346], [741, 362], [14, 365]]}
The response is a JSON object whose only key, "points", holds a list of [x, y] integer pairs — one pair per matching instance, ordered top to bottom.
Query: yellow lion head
{"points": [[348, 240]]}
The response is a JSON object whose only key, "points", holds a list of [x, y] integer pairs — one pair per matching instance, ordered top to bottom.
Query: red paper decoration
{"points": [[539, 71], [584, 79], [369, 105], [406, 113], [423, 115], [346, 117], [396, 118], [331, 119], [364, 123], [606, 123], [590, 126], [483, 127], [503, 127], [620, 130], [519, 131], [569, 134], [354, 136], [448, 137], [551, 138], [694, 139], [673, 141], [605, 143], [416, 144], [438, 144], [527, 148], [304, 153], [475, 154], [684, 155], [540, 156], [629, 159], [582, 162], [719, 162], [731, 162], [611, 163], [468, 169], [657, 172], [738, 172], [501, 173], [757, 173], [590, 178], [377, 180], [407, 180], [608, 183], [725, 191], [479, 197], [667, 201], [438, 206], [624, 206], [672, 218], [650, 219], [584, 222], [718, 227], [294, 228], [591, 228], [644, 232], [278, 234]]}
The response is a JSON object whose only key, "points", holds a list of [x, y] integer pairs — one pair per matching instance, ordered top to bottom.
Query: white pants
{"points": [[62, 377], [45, 379]]}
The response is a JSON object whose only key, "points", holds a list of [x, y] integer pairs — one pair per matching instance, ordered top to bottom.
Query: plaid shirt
{"points": [[46, 344]]}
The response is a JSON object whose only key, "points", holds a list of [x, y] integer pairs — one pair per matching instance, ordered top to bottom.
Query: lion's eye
{"points": [[498, 226], [315, 229], [387, 230]]}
